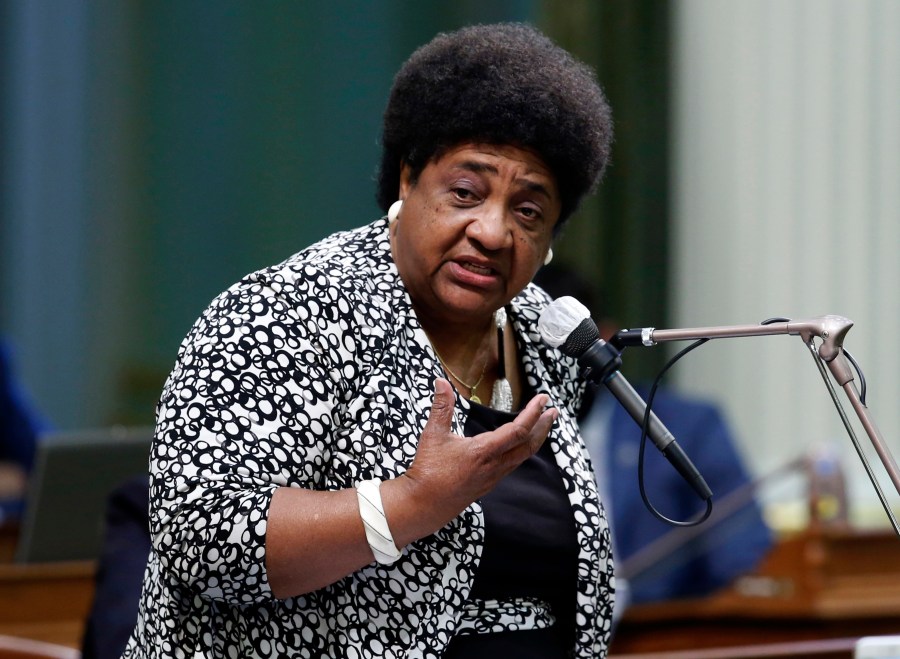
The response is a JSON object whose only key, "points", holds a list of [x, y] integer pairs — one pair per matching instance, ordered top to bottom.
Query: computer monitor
{"points": [[74, 473]]}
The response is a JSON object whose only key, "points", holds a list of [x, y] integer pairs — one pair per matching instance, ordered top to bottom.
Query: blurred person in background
{"points": [[20, 429]]}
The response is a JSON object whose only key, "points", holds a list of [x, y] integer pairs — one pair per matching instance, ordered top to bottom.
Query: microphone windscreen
{"points": [[560, 318], [581, 338]]}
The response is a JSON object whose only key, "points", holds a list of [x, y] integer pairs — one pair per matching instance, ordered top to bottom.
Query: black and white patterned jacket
{"points": [[316, 373]]}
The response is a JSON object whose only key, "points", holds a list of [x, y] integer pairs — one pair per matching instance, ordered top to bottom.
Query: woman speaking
{"points": [[366, 450]]}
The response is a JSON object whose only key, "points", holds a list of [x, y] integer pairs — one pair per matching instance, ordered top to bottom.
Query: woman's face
{"points": [[473, 230]]}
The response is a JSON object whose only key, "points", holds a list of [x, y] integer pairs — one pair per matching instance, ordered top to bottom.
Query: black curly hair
{"points": [[504, 83]]}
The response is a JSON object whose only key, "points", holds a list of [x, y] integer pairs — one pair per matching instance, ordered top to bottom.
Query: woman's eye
{"points": [[464, 194], [530, 212]]}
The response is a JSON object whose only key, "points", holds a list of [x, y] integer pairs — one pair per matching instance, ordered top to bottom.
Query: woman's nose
{"points": [[489, 227]]}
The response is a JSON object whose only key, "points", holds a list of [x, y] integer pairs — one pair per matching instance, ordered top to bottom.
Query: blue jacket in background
{"points": [[20, 425], [723, 550]]}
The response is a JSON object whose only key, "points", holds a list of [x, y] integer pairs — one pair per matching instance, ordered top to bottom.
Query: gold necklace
{"points": [[471, 387]]}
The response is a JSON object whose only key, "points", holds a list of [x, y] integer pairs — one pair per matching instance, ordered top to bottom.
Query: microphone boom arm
{"points": [[828, 356]]}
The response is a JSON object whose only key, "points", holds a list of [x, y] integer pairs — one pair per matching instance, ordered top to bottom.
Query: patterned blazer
{"points": [[316, 373]]}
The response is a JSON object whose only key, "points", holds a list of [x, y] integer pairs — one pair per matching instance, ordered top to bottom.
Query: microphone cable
{"points": [[645, 428]]}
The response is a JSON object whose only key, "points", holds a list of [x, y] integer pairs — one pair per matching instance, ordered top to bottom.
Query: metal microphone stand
{"points": [[828, 355]]}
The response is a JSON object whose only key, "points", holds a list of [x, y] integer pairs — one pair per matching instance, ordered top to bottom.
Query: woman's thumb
{"points": [[441, 416]]}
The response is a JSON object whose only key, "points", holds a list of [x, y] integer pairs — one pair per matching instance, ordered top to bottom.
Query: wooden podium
{"points": [[819, 584]]}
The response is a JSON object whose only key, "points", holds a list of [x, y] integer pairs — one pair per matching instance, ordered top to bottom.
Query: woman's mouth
{"points": [[477, 269], [478, 275]]}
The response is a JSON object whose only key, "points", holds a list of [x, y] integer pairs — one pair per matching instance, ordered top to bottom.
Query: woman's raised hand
{"points": [[449, 472]]}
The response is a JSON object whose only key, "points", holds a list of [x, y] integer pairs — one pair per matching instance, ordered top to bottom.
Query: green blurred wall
{"points": [[257, 133]]}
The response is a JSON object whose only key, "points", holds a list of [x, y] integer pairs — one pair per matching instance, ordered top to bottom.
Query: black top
{"points": [[530, 551]]}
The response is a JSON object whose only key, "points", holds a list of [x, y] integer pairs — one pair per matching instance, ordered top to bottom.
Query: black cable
{"points": [[862, 377], [645, 427]]}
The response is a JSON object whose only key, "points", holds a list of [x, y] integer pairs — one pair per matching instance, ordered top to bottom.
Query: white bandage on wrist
{"points": [[368, 493]]}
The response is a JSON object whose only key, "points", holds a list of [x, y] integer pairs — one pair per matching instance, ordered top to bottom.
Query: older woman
{"points": [[350, 455]]}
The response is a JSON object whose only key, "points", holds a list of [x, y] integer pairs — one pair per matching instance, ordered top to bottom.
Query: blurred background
{"points": [[152, 153]]}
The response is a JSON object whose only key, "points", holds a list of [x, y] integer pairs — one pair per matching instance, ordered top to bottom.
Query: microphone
{"points": [[566, 324]]}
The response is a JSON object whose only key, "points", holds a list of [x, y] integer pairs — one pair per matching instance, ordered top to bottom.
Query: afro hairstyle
{"points": [[504, 83]]}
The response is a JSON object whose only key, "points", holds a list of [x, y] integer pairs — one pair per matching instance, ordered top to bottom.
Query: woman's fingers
{"points": [[523, 436]]}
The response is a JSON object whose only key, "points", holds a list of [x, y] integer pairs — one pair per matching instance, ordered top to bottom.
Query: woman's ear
{"points": [[406, 182]]}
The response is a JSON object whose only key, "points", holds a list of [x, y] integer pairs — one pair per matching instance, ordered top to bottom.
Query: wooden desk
{"points": [[815, 585], [47, 602], [838, 648]]}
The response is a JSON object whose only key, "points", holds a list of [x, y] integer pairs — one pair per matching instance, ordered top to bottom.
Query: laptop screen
{"points": [[74, 474]]}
